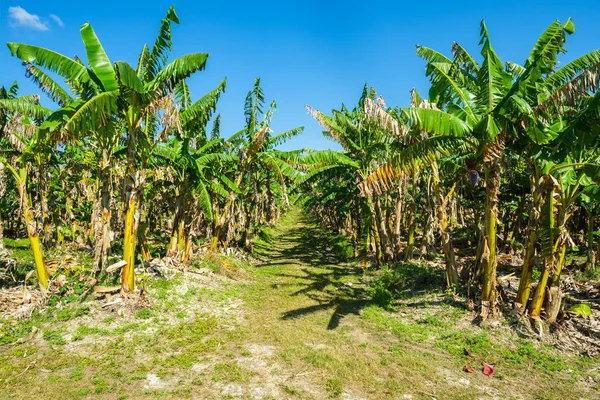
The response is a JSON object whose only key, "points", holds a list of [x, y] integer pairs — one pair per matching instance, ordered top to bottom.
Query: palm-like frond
{"points": [[549, 45], [431, 56], [98, 59], [464, 60], [153, 61], [142, 62], [69, 69], [178, 69], [515, 69], [570, 71], [128, 77], [493, 79], [47, 85], [13, 91], [458, 93], [182, 94], [24, 107], [253, 108], [199, 113], [93, 114], [436, 122], [331, 126], [216, 130], [284, 137], [414, 158], [318, 159], [279, 167], [204, 200]]}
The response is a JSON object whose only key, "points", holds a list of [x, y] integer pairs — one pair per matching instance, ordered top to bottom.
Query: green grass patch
{"points": [[69, 313], [143, 313], [83, 331], [54, 337], [527, 354], [318, 358], [231, 372], [334, 387]]}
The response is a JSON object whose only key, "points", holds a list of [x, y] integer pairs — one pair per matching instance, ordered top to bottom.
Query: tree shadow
{"points": [[322, 282], [327, 289], [341, 308]]}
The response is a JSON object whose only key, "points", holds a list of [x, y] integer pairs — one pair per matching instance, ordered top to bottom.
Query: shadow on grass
{"points": [[324, 269], [322, 280]]}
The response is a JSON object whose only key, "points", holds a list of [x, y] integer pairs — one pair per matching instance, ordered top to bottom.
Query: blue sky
{"points": [[306, 52]]}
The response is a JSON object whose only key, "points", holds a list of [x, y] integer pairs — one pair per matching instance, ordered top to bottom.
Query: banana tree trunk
{"points": [[284, 193], [270, 203], [441, 203], [225, 212], [132, 221], [220, 222], [411, 222], [46, 224], [102, 225], [177, 225], [397, 229], [32, 231], [1, 233], [428, 238], [384, 240], [143, 241], [244, 241], [377, 244], [550, 244], [187, 249], [591, 251], [530, 253], [489, 255], [527, 270], [549, 286], [554, 293]]}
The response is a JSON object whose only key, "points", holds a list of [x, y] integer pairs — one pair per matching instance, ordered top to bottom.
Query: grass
{"points": [[303, 323], [230, 372]]}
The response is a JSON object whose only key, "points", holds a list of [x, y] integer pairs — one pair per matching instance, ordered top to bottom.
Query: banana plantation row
{"points": [[126, 149], [127, 155]]}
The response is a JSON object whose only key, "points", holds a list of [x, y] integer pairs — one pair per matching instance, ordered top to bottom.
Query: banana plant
{"points": [[9, 93], [116, 102], [87, 114], [149, 114], [20, 119], [188, 153], [565, 181]]}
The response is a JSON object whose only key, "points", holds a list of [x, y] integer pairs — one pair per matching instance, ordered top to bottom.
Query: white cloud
{"points": [[20, 17], [57, 20]]}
